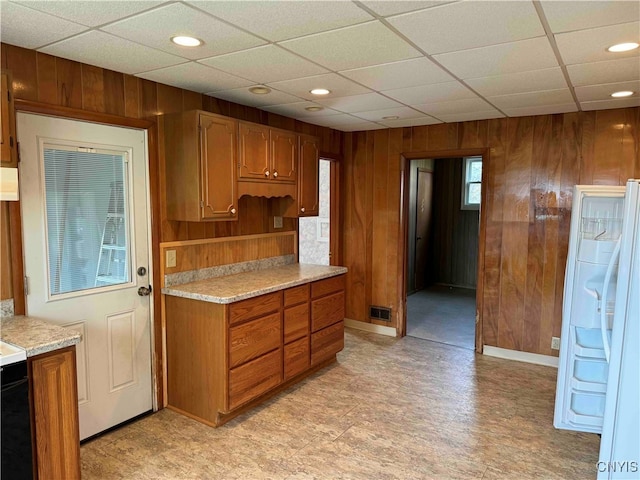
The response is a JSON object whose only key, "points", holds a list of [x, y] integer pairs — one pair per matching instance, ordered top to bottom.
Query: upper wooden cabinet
{"points": [[267, 154], [9, 156], [200, 160], [308, 178]]}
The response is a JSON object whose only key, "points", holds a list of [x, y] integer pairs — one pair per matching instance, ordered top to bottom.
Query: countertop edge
{"points": [[172, 291], [29, 334]]}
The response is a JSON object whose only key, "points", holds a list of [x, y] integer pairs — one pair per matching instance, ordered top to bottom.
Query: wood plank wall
{"points": [[534, 163], [453, 256], [6, 286]]}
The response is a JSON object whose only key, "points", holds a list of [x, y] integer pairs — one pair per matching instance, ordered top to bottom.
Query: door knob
{"points": [[144, 291]]}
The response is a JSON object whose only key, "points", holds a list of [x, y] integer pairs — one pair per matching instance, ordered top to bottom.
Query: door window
{"points": [[87, 226]]}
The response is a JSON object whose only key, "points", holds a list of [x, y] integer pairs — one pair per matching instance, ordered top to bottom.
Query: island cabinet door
{"points": [[55, 408]]}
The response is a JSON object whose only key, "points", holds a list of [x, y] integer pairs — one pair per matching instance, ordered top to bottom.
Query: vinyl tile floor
{"points": [[443, 314], [388, 409]]}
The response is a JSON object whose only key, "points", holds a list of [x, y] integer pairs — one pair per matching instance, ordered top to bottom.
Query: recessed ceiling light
{"points": [[185, 41], [623, 47], [260, 90], [320, 91], [624, 93], [313, 109], [391, 117]]}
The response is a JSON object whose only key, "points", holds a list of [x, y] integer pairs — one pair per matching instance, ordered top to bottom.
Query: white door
{"points": [[85, 217]]}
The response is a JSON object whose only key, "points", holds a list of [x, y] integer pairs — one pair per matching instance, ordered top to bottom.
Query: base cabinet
{"points": [[222, 359], [54, 396]]}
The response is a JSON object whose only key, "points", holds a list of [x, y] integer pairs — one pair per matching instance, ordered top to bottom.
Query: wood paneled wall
{"points": [[532, 166], [214, 252], [453, 256], [6, 286]]}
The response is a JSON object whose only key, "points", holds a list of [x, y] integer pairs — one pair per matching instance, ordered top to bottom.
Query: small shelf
{"points": [[589, 343]]}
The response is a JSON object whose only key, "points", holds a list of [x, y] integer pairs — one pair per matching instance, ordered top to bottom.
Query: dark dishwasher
{"points": [[17, 460]]}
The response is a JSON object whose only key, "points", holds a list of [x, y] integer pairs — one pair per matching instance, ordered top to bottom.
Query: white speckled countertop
{"points": [[232, 288], [35, 335]]}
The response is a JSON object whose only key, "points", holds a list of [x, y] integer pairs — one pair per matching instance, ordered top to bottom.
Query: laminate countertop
{"points": [[232, 288], [35, 335]]}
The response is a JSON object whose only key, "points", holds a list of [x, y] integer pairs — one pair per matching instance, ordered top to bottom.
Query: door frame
{"points": [[150, 127], [405, 168]]}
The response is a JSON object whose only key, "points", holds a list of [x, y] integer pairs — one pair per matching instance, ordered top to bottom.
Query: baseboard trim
{"points": [[370, 327], [527, 357]]}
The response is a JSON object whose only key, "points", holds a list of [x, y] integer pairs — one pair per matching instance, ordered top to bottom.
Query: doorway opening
{"points": [[316, 235], [442, 246]]}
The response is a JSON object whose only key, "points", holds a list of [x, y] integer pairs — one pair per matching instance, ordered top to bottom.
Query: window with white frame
{"points": [[471, 183]]}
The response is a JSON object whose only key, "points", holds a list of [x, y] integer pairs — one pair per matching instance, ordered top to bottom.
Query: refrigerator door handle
{"points": [[603, 307]]}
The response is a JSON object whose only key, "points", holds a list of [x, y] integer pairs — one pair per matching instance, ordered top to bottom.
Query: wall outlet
{"points": [[277, 222], [171, 258], [555, 343]]}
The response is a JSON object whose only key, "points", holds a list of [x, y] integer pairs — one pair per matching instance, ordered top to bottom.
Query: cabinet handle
{"points": [[266, 174], [302, 209], [233, 211]]}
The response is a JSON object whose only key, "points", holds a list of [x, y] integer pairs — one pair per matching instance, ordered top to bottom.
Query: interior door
{"points": [[85, 219], [423, 223]]}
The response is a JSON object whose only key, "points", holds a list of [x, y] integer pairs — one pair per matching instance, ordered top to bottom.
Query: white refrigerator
{"points": [[599, 365]]}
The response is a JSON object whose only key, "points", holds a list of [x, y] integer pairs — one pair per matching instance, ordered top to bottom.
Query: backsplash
{"points": [[179, 278], [6, 308]]}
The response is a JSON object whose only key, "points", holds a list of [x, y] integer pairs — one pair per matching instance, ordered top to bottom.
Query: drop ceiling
{"points": [[387, 63]]}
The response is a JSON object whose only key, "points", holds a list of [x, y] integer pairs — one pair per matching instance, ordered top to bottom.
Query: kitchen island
{"points": [[233, 341], [51, 365]]}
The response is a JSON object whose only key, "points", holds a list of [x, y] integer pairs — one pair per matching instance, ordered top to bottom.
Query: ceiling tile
{"points": [[385, 8], [90, 13], [566, 16], [278, 21], [464, 25], [43, 29], [155, 29], [586, 46], [351, 47], [104, 50], [522, 56], [268, 63], [407, 73], [596, 73], [196, 77], [547, 79], [340, 87], [439, 92], [591, 93], [245, 97], [532, 99], [358, 103], [611, 103], [469, 105], [297, 110], [541, 110], [377, 115], [469, 117], [332, 120], [410, 122], [361, 127]]}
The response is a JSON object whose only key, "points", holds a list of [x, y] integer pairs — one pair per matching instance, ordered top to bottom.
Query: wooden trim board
{"points": [[519, 356]]}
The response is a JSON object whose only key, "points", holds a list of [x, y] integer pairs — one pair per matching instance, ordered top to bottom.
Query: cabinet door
{"points": [[254, 152], [284, 156], [8, 158], [218, 166], [308, 176], [296, 357], [254, 378], [55, 407]]}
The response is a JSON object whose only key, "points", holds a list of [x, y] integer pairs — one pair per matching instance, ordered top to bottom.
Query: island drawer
{"points": [[326, 286], [295, 295], [254, 307], [327, 311], [296, 322], [254, 338], [327, 342], [296, 357]]}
